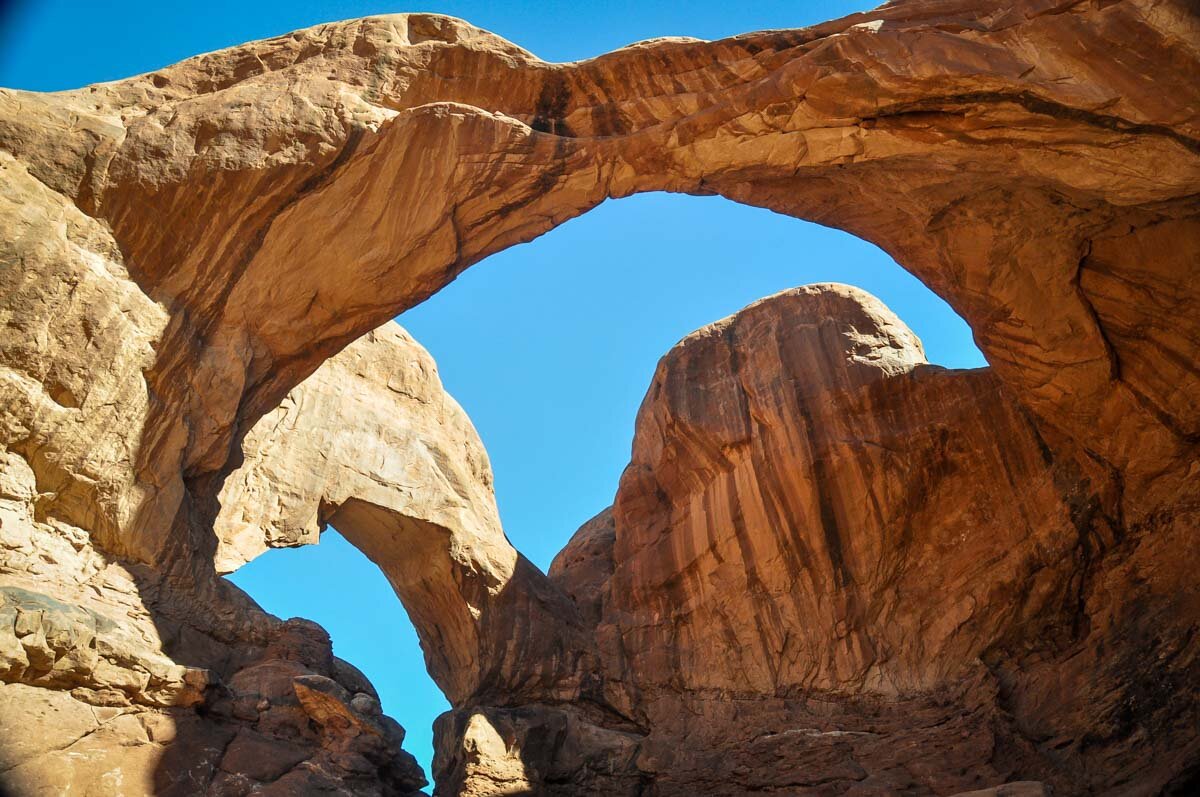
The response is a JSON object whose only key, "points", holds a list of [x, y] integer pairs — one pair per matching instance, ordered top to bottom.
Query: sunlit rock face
{"points": [[372, 440], [373, 444], [866, 508], [833, 566], [995, 568], [125, 680]]}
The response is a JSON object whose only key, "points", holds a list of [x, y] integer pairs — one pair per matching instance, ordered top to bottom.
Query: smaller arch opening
{"points": [[335, 585]]}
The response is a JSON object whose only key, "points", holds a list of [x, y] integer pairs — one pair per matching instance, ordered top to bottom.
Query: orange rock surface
{"points": [[833, 567], [868, 571]]}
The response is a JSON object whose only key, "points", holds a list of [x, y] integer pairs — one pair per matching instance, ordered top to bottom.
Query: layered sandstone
{"points": [[182, 249], [372, 444], [875, 574], [125, 680]]}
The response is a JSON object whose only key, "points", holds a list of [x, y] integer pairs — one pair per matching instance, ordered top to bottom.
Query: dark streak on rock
{"points": [[1035, 104], [552, 106], [824, 493]]}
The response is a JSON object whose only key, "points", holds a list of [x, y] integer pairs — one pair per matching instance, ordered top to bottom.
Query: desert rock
{"points": [[828, 554], [995, 566]]}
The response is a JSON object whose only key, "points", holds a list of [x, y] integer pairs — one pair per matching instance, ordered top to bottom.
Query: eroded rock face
{"points": [[1002, 155], [182, 249], [372, 423], [372, 441], [372, 444], [869, 508], [876, 575], [122, 680]]}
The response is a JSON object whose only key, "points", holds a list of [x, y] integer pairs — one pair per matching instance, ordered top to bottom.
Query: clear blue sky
{"points": [[549, 346]]}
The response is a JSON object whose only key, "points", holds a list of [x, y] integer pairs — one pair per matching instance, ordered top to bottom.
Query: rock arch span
{"points": [[1045, 187], [373, 445]]}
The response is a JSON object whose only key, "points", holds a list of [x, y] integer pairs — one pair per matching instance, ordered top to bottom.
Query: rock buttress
{"points": [[833, 568]]}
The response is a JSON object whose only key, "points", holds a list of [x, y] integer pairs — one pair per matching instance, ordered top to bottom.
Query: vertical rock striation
{"points": [[878, 550], [875, 574]]}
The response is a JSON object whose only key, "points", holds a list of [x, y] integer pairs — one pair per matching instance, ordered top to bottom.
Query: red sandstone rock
{"points": [[832, 556], [882, 577]]}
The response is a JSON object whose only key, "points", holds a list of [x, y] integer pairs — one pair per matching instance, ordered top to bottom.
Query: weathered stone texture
{"points": [[823, 547], [869, 571]]}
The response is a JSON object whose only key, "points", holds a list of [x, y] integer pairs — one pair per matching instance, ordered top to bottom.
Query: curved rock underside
{"points": [[829, 568]]}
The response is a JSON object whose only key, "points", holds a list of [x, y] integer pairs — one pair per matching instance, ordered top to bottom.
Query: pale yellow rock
{"points": [[79, 334], [373, 424], [372, 444], [493, 766]]}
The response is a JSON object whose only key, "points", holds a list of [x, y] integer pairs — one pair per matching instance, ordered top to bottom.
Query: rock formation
{"points": [[372, 441], [372, 444], [829, 555], [915, 580], [95, 704]]}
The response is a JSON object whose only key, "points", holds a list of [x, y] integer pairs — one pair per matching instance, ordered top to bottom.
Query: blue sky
{"points": [[549, 346]]}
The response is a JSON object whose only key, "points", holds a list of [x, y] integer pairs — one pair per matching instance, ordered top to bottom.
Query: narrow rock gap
{"points": [[335, 585]]}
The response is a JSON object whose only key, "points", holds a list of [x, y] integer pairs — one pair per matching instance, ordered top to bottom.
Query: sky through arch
{"points": [[549, 346]]}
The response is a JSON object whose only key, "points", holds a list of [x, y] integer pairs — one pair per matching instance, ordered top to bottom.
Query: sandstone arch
{"points": [[971, 162], [1043, 186], [371, 444]]}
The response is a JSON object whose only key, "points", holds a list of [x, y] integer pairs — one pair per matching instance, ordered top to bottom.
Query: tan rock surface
{"points": [[1001, 155], [181, 249], [372, 423], [372, 441], [372, 444], [868, 508], [875, 574], [100, 697]]}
